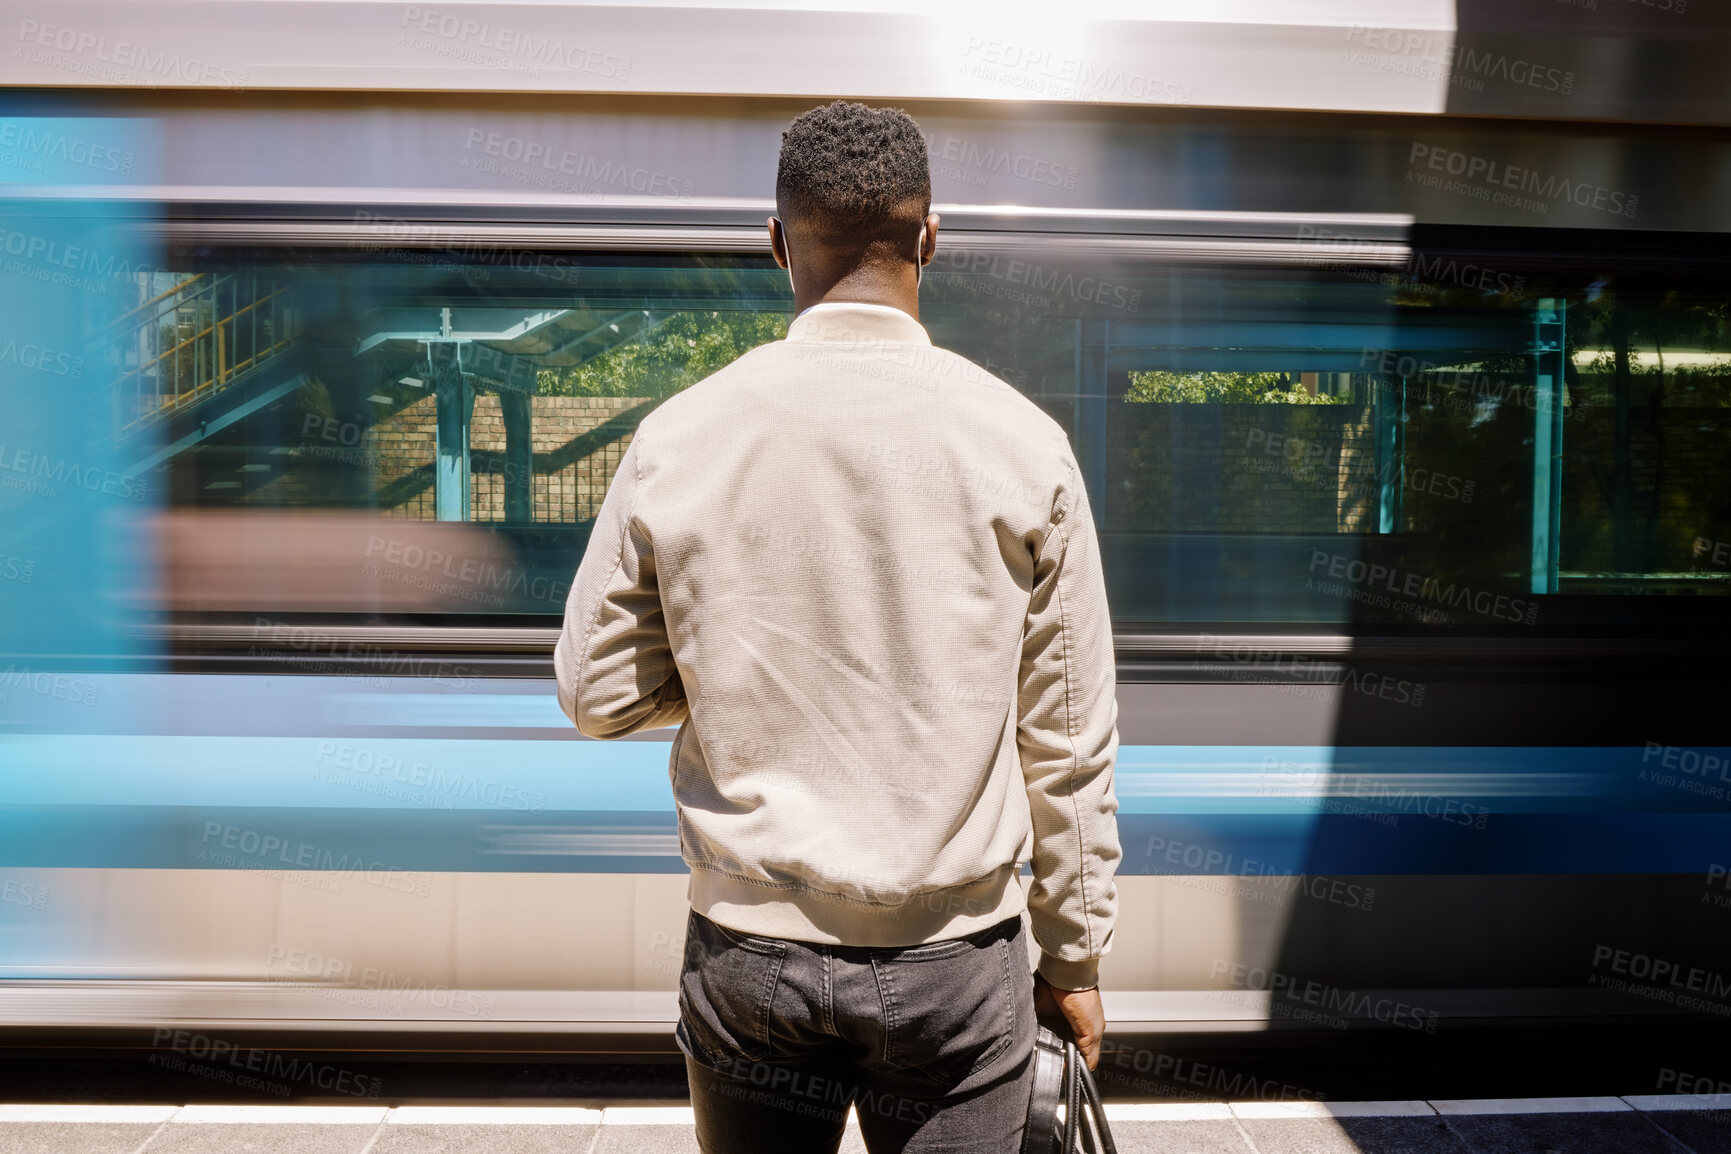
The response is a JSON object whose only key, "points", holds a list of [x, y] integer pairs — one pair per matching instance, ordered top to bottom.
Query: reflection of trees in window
{"points": [[1667, 348], [674, 353], [1696, 384], [1166, 388], [1271, 458], [1644, 475]]}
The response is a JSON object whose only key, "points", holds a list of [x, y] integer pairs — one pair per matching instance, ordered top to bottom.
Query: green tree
{"points": [[668, 356], [1156, 386]]}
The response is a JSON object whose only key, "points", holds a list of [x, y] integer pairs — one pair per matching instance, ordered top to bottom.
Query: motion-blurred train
{"points": [[1398, 359]]}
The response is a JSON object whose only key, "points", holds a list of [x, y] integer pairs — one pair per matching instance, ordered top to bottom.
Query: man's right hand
{"points": [[1077, 1014]]}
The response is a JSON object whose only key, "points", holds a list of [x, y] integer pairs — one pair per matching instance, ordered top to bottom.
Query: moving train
{"points": [[1398, 361]]}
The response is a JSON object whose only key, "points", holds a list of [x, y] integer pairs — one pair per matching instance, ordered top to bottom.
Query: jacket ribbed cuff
{"points": [[1080, 975]]}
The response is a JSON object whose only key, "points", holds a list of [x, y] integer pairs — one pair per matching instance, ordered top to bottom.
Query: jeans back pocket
{"points": [[727, 990], [952, 1007]]}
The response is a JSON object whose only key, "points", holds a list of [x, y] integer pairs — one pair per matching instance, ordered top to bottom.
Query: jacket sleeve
{"points": [[615, 666], [1068, 740]]}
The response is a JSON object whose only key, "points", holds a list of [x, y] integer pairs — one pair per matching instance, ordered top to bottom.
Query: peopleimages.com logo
{"points": [[498, 46], [96, 55], [1431, 57], [42, 144], [1484, 178], [1429, 591]]}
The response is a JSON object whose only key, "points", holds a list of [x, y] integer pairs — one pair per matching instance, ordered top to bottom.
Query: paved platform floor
{"points": [[1661, 1125]]}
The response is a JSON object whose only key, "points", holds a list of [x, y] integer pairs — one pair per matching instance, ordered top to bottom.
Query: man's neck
{"points": [[866, 286]]}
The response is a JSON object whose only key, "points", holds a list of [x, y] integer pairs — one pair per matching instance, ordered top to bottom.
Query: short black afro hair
{"points": [[854, 175]]}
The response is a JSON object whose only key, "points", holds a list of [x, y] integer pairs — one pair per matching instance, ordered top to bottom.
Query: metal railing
{"points": [[194, 340]]}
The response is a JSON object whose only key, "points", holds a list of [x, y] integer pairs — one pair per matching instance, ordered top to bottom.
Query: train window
{"points": [[421, 432], [413, 434], [1343, 449], [1260, 454]]}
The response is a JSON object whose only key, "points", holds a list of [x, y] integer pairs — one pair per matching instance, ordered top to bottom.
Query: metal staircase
{"points": [[201, 338], [215, 348], [462, 349], [198, 357]]}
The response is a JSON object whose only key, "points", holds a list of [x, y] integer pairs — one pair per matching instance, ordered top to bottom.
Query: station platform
{"points": [[1669, 1124]]}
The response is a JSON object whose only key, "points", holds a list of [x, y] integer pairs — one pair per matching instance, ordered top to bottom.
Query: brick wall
{"points": [[577, 443], [401, 444], [574, 463], [1172, 468], [1241, 469], [1312, 469], [1679, 480]]}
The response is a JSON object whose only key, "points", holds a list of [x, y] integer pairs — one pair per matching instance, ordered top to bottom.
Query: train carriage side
{"points": [[1414, 509]]}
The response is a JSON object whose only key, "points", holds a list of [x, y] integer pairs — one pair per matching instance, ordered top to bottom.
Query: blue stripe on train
{"points": [[518, 774], [561, 806], [380, 842]]}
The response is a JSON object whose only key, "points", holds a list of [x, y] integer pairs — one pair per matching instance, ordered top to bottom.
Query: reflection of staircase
{"points": [[216, 348], [468, 348], [200, 356]]}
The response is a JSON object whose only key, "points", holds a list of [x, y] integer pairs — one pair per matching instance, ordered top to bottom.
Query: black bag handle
{"points": [[1061, 1077], [1095, 1111]]}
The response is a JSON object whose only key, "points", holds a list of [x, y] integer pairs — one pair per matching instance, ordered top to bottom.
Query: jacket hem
{"points": [[807, 915]]}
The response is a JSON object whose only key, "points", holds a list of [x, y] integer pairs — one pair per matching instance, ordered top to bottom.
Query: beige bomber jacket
{"points": [[861, 574]]}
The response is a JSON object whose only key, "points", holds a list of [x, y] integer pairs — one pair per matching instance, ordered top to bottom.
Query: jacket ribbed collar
{"points": [[848, 323]]}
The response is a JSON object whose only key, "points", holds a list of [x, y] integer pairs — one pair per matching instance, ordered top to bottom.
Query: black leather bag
{"points": [[1064, 1112]]}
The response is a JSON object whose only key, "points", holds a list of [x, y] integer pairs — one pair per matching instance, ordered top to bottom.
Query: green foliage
{"points": [[1647, 327], [673, 354], [1705, 386], [1164, 388]]}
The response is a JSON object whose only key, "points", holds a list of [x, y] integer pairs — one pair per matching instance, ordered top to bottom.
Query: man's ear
{"points": [[777, 241], [930, 248]]}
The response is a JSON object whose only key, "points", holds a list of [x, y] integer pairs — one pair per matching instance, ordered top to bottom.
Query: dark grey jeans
{"points": [[932, 1044]]}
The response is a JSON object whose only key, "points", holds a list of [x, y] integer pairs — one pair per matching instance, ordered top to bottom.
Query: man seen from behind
{"points": [[862, 577]]}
